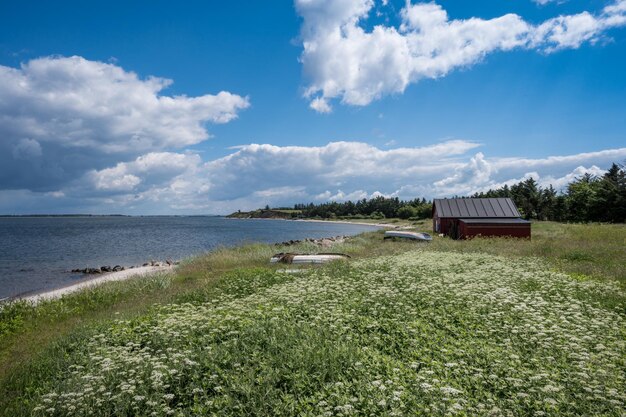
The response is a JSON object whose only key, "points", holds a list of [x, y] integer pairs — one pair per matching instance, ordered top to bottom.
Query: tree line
{"points": [[586, 199], [375, 208]]}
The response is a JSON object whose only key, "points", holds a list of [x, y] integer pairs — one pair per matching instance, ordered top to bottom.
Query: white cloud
{"points": [[544, 2], [567, 31], [345, 61], [320, 105], [60, 117], [78, 135], [561, 163], [338, 164], [154, 170], [475, 173], [481, 174], [254, 175], [111, 179], [558, 183], [561, 183], [285, 192], [341, 196]]}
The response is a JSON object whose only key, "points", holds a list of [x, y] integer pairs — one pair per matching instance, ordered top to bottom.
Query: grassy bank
{"points": [[586, 251], [434, 325], [26, 331]]}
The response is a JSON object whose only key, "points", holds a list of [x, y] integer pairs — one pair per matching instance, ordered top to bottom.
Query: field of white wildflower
{"points": [[426, 333]]}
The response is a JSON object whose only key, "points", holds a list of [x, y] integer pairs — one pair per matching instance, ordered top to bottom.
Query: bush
{"points": [[407, 212]]}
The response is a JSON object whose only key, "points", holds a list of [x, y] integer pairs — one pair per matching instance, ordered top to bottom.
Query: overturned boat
{"points": [[424, 237], [298, 258]]}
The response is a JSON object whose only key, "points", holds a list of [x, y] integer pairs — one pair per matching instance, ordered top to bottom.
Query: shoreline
{"points": [[381, 225], [140, 271], [53, 294]]}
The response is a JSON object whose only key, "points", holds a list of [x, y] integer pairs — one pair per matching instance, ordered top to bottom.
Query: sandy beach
{"points": [[383, 225], [93, 282]]}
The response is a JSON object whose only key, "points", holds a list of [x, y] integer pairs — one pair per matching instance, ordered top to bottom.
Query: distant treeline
{"points": [[586, 199], [374, 208]]}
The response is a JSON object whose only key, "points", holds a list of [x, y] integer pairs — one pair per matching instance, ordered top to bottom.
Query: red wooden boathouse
{"points": [[462, 218]]}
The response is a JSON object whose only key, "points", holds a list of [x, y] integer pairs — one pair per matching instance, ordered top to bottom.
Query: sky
{"points": [[208, 107]]}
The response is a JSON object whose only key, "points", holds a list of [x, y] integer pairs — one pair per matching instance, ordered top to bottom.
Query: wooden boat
{"points": [[424, 237], [297, 258]]}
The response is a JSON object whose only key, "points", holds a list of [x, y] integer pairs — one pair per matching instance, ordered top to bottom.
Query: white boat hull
{"points": [[408, 235], [307, 259]]}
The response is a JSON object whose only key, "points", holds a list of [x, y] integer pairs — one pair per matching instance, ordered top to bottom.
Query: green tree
{"points": [[580, 197], [526, 198], [547, 203], [609, 203], [406, 212]]}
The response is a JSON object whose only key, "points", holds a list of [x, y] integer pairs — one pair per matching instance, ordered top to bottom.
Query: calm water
{"points": [[37, 253]]}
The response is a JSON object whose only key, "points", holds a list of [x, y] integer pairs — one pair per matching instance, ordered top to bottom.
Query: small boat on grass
{"points": [[424, 237], [297, 258]]}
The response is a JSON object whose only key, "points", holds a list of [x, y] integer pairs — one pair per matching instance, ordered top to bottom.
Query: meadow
{"points": [[483, 327]]}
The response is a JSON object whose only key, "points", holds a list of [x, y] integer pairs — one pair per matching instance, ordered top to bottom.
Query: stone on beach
{"points": [[323, 242]]}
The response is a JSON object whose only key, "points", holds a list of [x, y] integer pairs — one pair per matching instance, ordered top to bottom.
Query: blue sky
{"points": [[409, 99]]}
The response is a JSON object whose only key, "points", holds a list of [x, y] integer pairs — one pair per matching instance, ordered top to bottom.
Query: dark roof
{"points": [[476, 207], [494, 221]]}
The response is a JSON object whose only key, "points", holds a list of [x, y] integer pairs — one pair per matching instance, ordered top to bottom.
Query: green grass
{"points": [[586, 251], [589, 251], [26, 330], [298, 338]]}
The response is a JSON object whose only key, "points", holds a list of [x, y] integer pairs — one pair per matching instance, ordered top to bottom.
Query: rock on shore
{"points": [[323, 242], [117, 268]]}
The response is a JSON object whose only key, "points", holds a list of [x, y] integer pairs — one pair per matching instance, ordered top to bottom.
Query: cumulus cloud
{"points": [[345, 61], [320, 105], [62, 116], [78, 135], [561, 163], [337, 164], [153, 169], [342, 171], [476, 173], [481, 174], [254, 175], [560, 183], [341, 196]]}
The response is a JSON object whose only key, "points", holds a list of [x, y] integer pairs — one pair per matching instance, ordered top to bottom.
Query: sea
{"points": [[38, 253]]}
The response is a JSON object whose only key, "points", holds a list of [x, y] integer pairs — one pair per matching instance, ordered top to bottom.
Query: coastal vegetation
{"points": [[585, 199], [376, 208], [266, 214], [500, 326], [391, 335]]}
